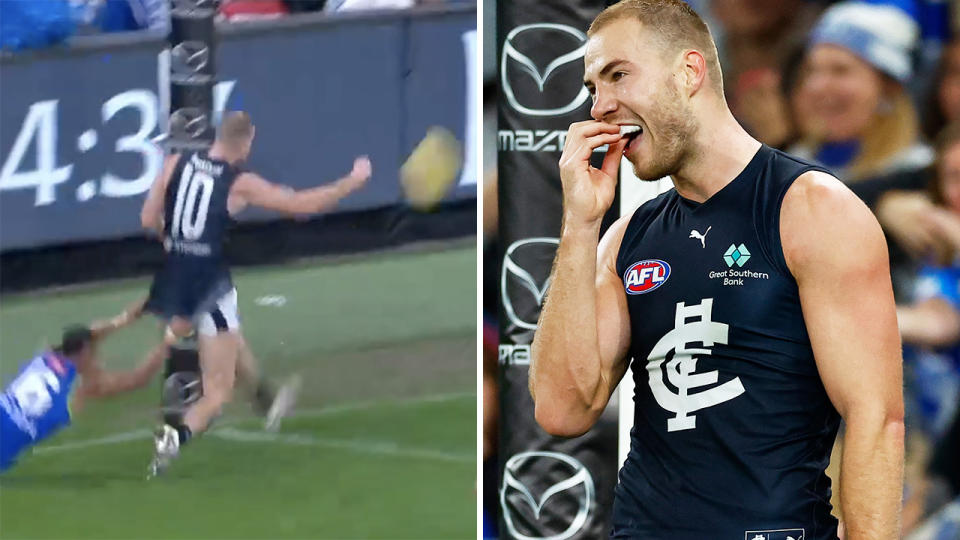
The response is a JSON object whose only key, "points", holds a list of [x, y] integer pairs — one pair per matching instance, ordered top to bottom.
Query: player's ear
{"points": [[693, 71]]}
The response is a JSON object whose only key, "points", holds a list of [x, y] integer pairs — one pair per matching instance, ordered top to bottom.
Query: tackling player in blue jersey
{"points": [[752, 303], [57, 382]]}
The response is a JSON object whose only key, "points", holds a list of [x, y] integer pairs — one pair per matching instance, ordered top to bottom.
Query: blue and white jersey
{"points": [[35, 404]]}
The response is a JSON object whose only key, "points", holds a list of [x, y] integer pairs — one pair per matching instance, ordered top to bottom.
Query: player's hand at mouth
{"points": [[588, 191]]}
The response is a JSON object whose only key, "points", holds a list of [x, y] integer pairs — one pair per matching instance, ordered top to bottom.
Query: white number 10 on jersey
{"points": [[190, 215]]}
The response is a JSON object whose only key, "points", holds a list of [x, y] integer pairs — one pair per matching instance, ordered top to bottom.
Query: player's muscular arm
{"points": [[251, 189], [151, 215], [836, 251], [103, 328], [583, 332], [104, 384]]}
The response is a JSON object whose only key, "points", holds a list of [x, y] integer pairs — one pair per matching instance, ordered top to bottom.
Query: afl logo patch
{"points": [[645, 276]]}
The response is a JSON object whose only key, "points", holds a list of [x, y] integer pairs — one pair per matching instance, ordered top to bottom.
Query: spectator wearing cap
{"points": [[861, 122]]}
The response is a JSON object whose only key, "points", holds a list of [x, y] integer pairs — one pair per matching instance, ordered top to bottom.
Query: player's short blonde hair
{"points": [[673, 24], [236, 127]]}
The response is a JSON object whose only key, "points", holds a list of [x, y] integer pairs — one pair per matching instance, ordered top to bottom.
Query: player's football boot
{"points": [[282, 403], [167, 444]]}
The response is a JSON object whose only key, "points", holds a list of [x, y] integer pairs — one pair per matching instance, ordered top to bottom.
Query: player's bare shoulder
{"points": [[820, 216]]}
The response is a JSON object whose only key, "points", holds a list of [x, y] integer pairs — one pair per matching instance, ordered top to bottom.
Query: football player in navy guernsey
{"points": [[190, 205], [749, 340]]}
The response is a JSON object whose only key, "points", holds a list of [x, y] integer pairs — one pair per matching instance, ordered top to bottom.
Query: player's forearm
{"points": [[323, 198], [151, 215], [151, 220], [151, 364], [136, 378], [566, 378], [871, 477]]}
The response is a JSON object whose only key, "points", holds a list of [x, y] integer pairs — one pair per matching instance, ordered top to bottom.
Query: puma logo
{"points": [[702, 237]]}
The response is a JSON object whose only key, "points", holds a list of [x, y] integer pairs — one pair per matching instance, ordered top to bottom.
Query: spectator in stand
{"points": [[251, 10], [121, 15], [129, 15], [28, 24], [755, 40], [944, 107], [863, 123], [901, 201], [930, 328]]}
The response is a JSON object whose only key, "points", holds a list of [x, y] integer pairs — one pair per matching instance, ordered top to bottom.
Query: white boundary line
{"points": [[140, 434], [116, 438], [388, 448]]}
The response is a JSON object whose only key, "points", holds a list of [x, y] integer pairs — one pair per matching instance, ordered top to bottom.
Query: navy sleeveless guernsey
{"points": [[196, 219], [733, 427]]}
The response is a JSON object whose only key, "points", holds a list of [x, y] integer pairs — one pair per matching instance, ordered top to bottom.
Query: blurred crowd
{"points": [[34, 24], [870, 89]]}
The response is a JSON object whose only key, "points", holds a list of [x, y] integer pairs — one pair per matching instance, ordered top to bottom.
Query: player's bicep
{"points": [[254, 190], [837, 253]]}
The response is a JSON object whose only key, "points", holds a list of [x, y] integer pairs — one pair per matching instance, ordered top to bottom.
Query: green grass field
{"points": [[382, 444]]}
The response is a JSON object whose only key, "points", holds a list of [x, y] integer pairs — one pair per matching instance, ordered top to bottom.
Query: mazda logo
{"points": [[533, 34], [195, 55], [189, 121], [522, 294], [180, 390], [519, 503]]}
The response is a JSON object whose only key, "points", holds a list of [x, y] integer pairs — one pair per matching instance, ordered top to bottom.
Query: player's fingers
{"points": [[589, 128], [584, 151], [611, 161]]}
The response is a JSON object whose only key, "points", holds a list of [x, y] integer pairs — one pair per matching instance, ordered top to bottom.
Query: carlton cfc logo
{"points": [[645, 276]]}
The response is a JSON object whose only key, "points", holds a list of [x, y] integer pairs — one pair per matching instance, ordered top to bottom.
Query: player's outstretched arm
{"points": [[251, 189], [151, 215], [836, 251], [103, 328], [583, 332], [103, 384]]}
